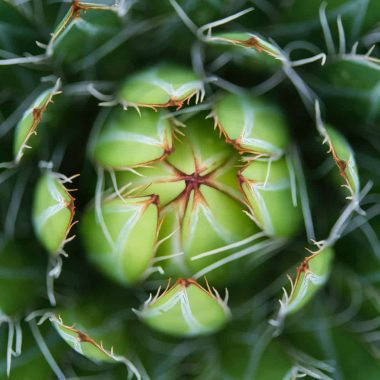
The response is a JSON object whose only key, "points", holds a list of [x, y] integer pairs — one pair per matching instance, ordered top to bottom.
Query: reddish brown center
{"points": [[193, 183]]}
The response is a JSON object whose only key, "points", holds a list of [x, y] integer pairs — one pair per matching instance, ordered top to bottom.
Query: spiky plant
{"points": [[221, 159]]}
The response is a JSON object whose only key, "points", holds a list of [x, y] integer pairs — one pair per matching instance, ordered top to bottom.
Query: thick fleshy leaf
{"points": [[82, 28], [247, 40], [247, 51], [161, 86], [251, 125], [27, 126], [129, 139], [200, 151], [343, 156], [160, 178], [267, 186], [53, 212], [203, 220], [212, 220], [120, 236], [312, 274], [186, 309], [91, 315], [78, 339], [81, 342]]}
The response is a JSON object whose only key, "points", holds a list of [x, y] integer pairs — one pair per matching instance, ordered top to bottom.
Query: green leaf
{"points": [[84, 25], [248, 51], [165, 85], [32, 117], [251, 125], [129, 139], [343, 156], [159, 178], [267, 186], [53, 212], [120, 236], [312, 274], [186, 309], [86, 345]]}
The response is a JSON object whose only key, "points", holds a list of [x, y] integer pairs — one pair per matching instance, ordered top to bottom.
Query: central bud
{"points": [[194, 180], [200, 200], [183, 205]]}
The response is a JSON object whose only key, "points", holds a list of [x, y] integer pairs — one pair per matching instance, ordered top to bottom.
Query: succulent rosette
{"points": [[201, 201]]}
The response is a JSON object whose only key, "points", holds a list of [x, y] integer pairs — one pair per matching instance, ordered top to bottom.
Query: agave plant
{"points": [[189, 189]]}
